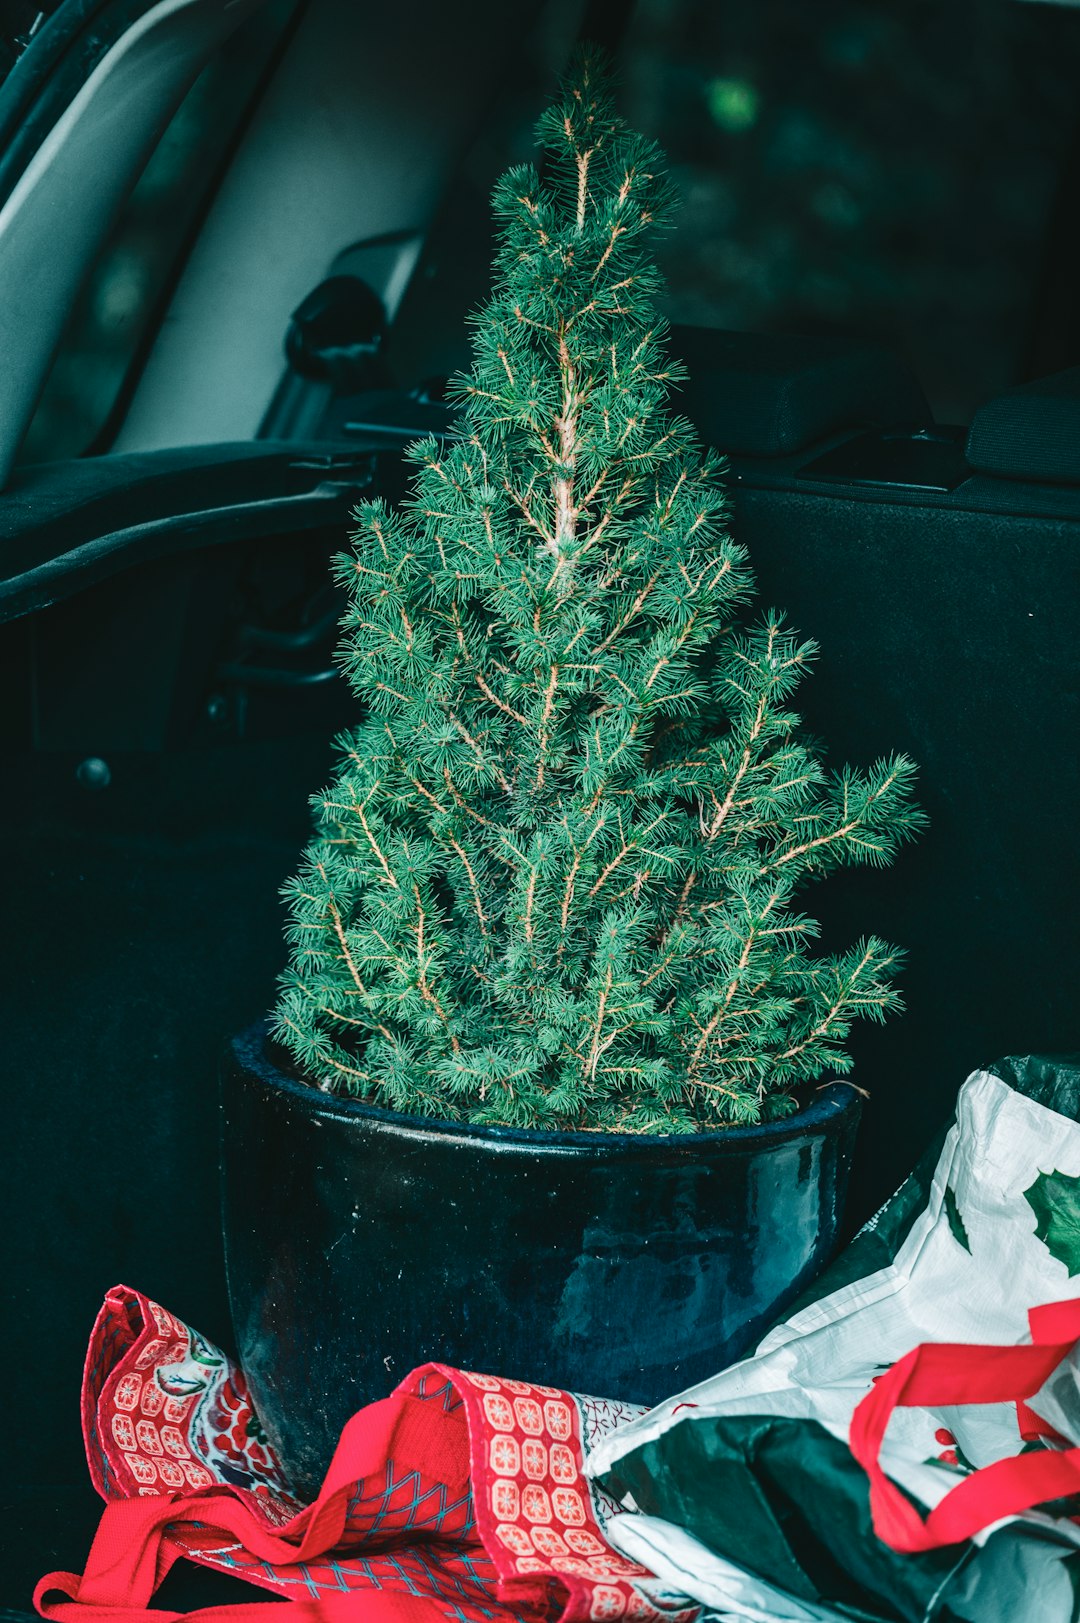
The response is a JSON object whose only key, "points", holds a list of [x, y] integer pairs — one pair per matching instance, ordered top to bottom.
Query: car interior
{"points": [[285, 203]]}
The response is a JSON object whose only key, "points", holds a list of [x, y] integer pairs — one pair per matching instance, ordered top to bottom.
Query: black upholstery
{"points": [[764, 394], [1031, 433]]}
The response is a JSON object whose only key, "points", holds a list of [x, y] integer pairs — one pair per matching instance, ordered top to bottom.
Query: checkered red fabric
{"points": [[459, 1497]]}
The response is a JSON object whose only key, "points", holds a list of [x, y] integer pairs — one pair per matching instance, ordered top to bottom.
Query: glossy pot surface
{"points": [[360, 1243]]}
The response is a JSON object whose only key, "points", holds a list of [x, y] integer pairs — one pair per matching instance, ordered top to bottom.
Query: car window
{"points": [[20, 22], [885, 168], [125, 290]]}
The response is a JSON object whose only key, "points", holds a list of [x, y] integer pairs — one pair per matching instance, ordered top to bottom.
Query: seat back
{"points": [[941, 577]]}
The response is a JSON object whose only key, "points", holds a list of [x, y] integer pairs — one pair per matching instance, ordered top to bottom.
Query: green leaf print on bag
{"points": [[1054, 1197], [956, 1222]]}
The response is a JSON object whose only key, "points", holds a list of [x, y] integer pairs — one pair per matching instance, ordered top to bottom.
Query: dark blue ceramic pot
{"points": [[361, 1243]]}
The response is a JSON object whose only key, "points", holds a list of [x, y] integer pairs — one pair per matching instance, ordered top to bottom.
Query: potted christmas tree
{"points": [[539, 1092]]}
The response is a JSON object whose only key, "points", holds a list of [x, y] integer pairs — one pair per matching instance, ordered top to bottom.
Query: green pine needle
{"points": [[552, 884]]}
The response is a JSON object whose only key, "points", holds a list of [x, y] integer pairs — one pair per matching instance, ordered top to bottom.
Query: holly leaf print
{"points": [[1054, 1197], [956, 1222]]}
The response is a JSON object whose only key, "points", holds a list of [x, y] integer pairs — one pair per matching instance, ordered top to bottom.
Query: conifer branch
{"points": [[552, 883], [421, 969]]}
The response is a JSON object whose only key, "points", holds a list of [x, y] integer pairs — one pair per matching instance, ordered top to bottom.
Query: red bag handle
{"points": [[942, 1373], [129, 1557]]}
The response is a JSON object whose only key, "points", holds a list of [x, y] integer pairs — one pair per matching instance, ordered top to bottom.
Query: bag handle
{"points": [[939, 1373], [130, 1555], [372, 1605]]}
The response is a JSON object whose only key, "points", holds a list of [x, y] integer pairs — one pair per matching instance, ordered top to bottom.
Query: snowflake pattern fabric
{"points": [[463, 1491]]}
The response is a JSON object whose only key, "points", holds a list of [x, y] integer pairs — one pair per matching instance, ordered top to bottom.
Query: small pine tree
{"points": [[552, 884]]}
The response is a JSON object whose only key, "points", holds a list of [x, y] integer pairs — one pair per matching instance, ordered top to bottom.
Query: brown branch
{"points": [[582, 160], [617, 232], [566, 424], [521, 503], [632, 612], [549, 706], [515, 715], [471, 741], [744, 765], [427, 794], [463, 804], [359, 810], [826, 839], [467, 865], [568, 894], [529, 898], [339, 931], [744, 957], [425, 988], [347, 1019], [822, 1027], [594, 1057], [328, 1059]]}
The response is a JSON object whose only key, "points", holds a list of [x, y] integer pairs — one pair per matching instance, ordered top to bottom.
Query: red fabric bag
{"points": [[460, 1496]]}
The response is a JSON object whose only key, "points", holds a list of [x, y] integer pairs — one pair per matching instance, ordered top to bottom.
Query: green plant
{"points": [[553, 881]]}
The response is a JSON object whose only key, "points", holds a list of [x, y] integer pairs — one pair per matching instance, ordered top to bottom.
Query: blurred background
{"points": [[899, 170]]}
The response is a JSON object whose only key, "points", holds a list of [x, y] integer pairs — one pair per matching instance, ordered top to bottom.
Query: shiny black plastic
{"points": [[360, 1243]]}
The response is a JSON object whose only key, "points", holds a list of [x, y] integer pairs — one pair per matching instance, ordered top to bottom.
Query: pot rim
{"points": [[837, 1104]]}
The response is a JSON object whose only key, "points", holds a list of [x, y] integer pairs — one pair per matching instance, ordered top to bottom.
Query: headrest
{"points": [[767, 394], [1032, 432]]}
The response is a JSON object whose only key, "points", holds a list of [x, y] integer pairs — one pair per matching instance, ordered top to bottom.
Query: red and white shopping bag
{"points": [[941, 1359], [941, 1375], [460, 1497]]}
